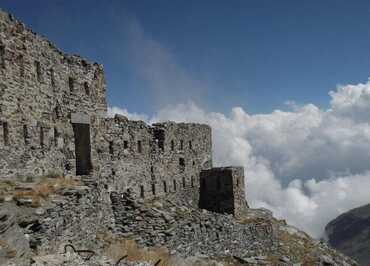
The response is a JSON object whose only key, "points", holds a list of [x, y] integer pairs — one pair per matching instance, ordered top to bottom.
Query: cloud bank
{"points": [[307, 165]]}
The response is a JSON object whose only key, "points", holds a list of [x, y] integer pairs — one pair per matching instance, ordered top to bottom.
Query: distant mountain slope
{"points": [[350, 233]]}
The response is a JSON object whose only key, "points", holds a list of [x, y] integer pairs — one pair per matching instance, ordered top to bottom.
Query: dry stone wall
{"points": [[40, 89], [53, 122], [154, 160], [222, 190], [76, 216], [190, 231]]}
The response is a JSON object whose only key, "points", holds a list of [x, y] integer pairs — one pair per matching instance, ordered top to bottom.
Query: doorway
{"points": [[82, 148]]}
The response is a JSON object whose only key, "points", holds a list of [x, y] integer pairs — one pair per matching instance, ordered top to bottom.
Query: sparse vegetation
{"points": [[54, 174], [30, 179], [6, 186], [43, 189], [299, 247], [115, 248], [9, 252]]}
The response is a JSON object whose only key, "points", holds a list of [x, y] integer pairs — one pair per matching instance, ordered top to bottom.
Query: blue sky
{"points": [[219, 54]]}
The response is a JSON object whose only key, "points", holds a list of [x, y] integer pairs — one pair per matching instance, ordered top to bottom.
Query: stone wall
{"points": [[40, 89], [44, 93], [152, 160], [222, 190], [75, 216], [190, 231]]}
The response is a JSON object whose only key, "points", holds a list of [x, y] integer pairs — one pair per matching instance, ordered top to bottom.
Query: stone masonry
{"points": [[42, 91], [53, 122], [154, 160], [222, 190]]}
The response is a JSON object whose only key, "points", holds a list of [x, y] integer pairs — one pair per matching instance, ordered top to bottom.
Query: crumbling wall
{"points": [[40, 89], [44, 93], [153, 160], [222, 190], [76, 216], [191, 231]]}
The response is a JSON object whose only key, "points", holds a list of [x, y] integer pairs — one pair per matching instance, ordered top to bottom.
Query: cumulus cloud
{"points": [[352, 101], [121, 111], [307, 165]]}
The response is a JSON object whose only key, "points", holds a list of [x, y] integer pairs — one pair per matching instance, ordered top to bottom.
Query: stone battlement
{"points": [[53, 119]]}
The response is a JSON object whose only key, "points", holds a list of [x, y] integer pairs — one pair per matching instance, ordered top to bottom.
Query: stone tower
{"points": [[222, 190]]}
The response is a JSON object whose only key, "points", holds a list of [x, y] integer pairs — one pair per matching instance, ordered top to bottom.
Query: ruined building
{"points": [[53, 120], [126, 183], [222, 190]]}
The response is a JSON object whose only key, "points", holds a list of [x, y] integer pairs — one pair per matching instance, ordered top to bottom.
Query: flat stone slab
{"points": [[80, 118]]}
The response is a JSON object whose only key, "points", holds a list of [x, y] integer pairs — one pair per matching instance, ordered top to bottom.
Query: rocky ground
{"points": [[77, 222]]}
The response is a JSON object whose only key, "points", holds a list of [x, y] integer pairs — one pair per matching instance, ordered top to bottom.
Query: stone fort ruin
{"points": [[53, 121]]}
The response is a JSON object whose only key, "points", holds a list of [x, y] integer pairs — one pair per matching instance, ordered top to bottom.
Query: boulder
{"points": [[14, 246]]}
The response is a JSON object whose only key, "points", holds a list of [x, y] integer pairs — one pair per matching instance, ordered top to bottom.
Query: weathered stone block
{"points": [[80, 118], [222, 190]]}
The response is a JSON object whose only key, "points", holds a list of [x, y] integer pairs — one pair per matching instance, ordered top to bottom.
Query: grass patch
{"points": [[54, 174], [7, 186], [43, 189], [115, 248], [299, 248], [9, 252]]}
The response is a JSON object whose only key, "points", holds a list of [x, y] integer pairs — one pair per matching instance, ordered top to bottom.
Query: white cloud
{"points": [[352, 101], [132, 116]]}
